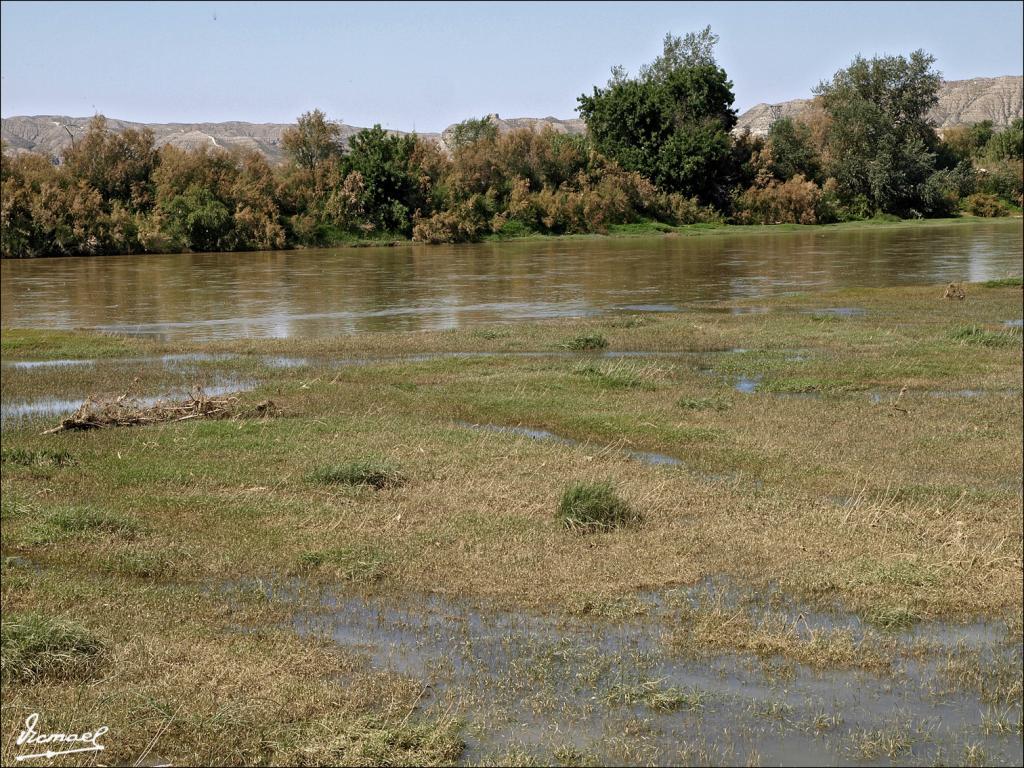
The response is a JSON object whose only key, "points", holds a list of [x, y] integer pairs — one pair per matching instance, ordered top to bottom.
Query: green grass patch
{"points": [[1004, 282], [975, 334], [586, 342], [43, 344], [617, 375], [809, 386], [23, 457], [375, 473], [594, 506], [73, 522], [362, 563], [138, 565], [900, 573], [890, 617], [33, 647], [371, 740]]}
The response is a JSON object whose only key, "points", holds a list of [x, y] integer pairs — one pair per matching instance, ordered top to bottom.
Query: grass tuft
{"points": [[586, 341], [620, 375], [372, 472], [594, 506], [890, 617], [34, 647], [652, 695]]}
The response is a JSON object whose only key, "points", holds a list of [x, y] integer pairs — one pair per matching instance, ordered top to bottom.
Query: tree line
{"points": [[659, 148]]}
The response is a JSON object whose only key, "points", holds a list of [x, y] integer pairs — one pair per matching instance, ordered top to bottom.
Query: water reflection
{"points": [[328, 292]]}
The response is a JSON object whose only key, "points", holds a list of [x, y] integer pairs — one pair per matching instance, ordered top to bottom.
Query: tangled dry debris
{"points": [[954, 291], [124, 411]]}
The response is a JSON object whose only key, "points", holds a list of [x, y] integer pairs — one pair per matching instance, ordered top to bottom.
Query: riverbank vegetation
{"points": [[659, 150], [515, 528]]}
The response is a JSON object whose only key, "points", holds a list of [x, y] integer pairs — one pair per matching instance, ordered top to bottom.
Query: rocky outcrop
{"points": [[961, 102]]}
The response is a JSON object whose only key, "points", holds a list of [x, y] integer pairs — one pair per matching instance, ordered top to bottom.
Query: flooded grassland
{"points": [[821, 561]]}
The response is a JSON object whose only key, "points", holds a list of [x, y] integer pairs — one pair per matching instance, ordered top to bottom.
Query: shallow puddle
{"points": [[649, 308], [836, 311], [746, 384], [659, 459], [619, 692]]}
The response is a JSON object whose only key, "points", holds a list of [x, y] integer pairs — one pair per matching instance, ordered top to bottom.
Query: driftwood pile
{"points": [[125, 411]]}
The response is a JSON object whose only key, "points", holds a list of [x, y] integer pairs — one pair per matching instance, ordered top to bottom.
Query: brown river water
{"points": [[197, 297]]}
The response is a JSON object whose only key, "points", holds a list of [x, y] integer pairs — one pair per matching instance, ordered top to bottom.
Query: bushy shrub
{"points": [[1004, 179], [795, 201], [982, 204], [681, 210], [456, 226]]}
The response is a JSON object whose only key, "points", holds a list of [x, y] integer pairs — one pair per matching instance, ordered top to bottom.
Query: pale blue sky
{"points": [[426, 65]]}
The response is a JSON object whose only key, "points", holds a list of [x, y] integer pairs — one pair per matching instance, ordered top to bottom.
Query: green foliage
{"points": [[670, 124], [470, 131], [1008, 144], [881, 146], [792, 151], [659, 153], [1002, 178], [390, 192], [198, 221], [592, 506], [36, 647]]}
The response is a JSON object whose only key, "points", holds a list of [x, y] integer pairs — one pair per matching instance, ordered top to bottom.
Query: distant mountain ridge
{"points": [[999, 99], [961, 102], [52, 134]]}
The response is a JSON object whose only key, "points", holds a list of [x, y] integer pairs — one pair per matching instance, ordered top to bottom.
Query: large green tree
{"points": [[671, 123], [881, 145], [391, 192]]}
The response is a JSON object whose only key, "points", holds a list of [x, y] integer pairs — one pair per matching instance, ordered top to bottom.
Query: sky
{"points": [[423, 66]]}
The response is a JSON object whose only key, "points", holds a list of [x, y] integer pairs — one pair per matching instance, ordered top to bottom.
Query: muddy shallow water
{"points": [[327, 292], [589, 688]]}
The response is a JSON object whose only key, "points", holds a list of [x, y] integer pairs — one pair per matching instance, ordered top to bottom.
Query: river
{"points": [[198, 297]]}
